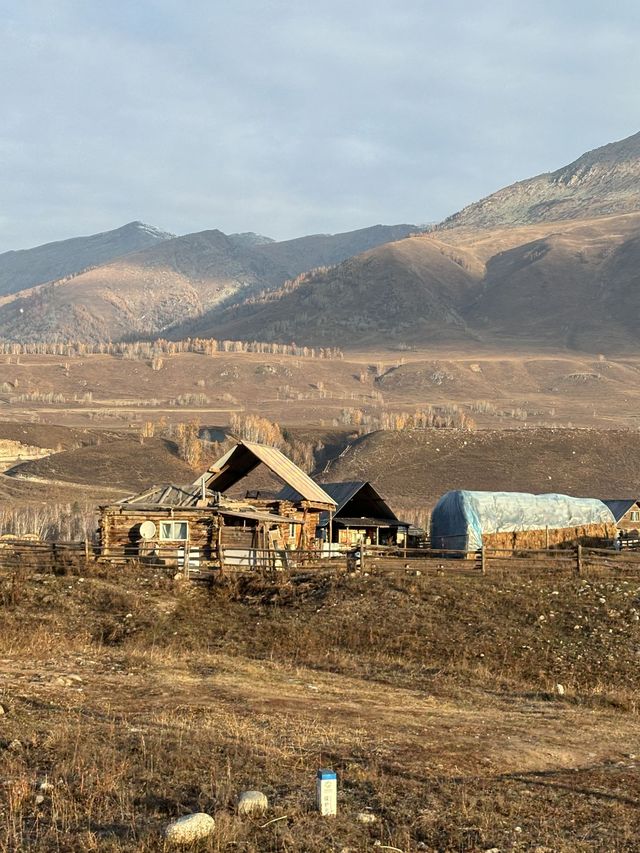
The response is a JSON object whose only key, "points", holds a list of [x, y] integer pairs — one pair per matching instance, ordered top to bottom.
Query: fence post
{"points": [[579, 559], [483, 560]]}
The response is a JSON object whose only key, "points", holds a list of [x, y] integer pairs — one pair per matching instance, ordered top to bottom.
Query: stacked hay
{"points": [[538, 540]]}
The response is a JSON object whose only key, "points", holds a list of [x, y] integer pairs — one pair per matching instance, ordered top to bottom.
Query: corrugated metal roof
{"points": [[245, 456], [340, 492], [166, 494], [620, 508], [260, 516]]}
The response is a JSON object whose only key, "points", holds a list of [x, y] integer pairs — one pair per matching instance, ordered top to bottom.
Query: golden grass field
{"points": [[140, 699]]}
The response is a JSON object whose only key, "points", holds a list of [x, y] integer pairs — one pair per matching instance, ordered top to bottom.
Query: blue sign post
{"points": [[327, 792]]}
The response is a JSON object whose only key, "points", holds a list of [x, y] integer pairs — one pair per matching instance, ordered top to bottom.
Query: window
{"points": [[635, 515], [174, 531]]}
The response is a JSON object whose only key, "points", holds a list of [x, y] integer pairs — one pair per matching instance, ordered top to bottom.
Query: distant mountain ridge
{"points": [[601, 182], [25, 268], [172, 282]]}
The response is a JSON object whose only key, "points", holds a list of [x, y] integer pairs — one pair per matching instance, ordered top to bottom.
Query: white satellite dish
{"points": [[147, 530]]}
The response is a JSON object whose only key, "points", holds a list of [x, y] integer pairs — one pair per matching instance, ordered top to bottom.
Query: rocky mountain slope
{"points": [[601, 182], [28, 267], [147, 292]]}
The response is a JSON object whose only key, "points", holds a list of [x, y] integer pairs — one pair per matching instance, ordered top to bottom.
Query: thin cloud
{"points": [[296, 117]]}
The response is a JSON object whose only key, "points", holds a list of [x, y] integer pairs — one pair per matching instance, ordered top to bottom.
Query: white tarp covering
{"points": [[460, 518]]}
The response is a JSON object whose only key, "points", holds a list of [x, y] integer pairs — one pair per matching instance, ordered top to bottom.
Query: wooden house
{"points": [[361, 516], [627, 516], [198, 525]]}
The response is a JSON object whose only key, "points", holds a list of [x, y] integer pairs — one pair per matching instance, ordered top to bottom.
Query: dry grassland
{"points": [[140, 699]]}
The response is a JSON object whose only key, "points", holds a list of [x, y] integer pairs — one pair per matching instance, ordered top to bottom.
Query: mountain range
{"points": [[547, 262], [174, 280]]}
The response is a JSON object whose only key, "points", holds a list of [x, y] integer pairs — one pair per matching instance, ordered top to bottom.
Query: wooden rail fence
{"points": [[77, 557]]}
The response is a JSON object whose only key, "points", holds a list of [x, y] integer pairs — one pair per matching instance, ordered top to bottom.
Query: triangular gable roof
{"points": [[246, 456], [342, 493], [620, 508]]}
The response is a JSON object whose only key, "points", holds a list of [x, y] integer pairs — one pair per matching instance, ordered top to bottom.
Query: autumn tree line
{"points": [[156, 349]]}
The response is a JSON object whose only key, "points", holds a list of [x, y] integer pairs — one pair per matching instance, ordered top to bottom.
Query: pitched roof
{"points": [[246, 456], [342, 493], [620, 508]]}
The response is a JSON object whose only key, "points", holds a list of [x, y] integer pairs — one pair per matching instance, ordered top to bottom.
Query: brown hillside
{"points": [[28, 267], [556, 285], [403, 290], [148, 291], [124, 464], [415, 468]]}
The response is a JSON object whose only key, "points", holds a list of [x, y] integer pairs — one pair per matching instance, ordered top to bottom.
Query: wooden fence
{"points": [[78, 557]]}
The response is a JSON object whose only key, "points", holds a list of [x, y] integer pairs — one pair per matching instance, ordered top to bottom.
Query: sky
{"points": [[290, 117]]}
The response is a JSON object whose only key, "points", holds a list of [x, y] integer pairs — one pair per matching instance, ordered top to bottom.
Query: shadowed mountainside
{"points": [[564, 285], [146, 292]]}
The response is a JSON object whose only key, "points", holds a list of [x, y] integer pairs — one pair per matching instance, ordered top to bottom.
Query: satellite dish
{"points": [[147, 530]]}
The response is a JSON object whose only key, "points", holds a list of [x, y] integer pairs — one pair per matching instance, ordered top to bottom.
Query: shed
{"points": [[626, 512], [361, 515], [467, 520]]}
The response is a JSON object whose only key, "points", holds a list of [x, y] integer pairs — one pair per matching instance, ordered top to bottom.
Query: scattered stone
{"points": [[74, 677], [560, 691], [3, 710], [15, 746], [45, 786], [39, 799], [252, 802], [366, 817], [190, 828]]}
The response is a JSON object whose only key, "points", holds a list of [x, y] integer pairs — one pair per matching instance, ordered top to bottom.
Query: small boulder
{"points": [[560, 689], [252, 802], [366, 817], [190, 828]]}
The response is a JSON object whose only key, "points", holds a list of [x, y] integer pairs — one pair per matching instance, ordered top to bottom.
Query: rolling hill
{"points": [[28, 267], [552, 285], [147, 292], [415, 468]]}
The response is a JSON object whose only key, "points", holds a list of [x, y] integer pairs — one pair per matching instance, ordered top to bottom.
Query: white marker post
{"points": [[327, 792]]}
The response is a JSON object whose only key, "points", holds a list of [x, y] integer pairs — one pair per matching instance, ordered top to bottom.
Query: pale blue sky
{"points": [[289, 117]]}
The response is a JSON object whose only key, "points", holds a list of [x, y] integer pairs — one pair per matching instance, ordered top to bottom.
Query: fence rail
{"points": [[76, 557]]}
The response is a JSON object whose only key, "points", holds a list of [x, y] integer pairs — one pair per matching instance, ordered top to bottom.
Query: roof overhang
{"points": [[245, 457]]}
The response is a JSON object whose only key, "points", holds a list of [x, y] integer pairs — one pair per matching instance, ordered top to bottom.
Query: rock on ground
{"points": [[252, 802], [366, 817], [190, 828]]}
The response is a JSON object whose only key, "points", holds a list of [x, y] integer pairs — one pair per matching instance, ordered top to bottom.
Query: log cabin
{"points": [[198, 527]]}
